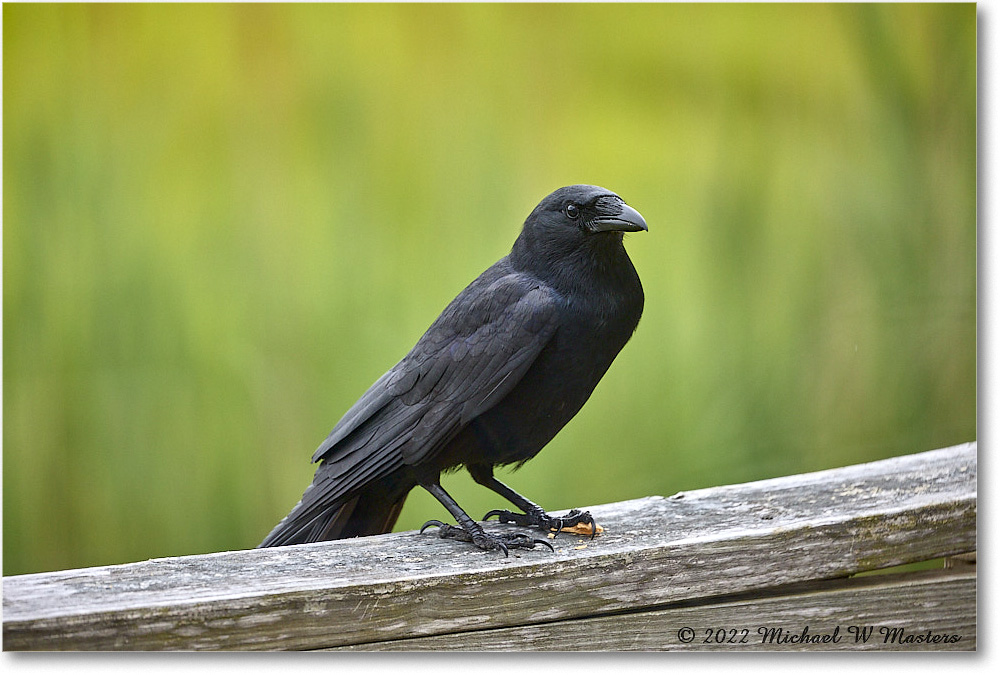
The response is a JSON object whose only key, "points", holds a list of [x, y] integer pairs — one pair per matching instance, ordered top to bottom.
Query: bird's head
{"points": [[584, 210], [578, 222]]}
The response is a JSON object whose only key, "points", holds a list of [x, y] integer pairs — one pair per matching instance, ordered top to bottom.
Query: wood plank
{"points": [[655, 551], [907, 612]]}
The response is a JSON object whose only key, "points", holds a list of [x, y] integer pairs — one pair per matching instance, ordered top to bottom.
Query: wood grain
{"points": [[654, 551], [908, 612]]}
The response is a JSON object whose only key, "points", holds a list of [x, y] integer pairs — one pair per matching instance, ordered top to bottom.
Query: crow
{"points": [[503, 368]]}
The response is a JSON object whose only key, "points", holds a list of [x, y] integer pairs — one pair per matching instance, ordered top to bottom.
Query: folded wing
{"points": [[467, 361]]}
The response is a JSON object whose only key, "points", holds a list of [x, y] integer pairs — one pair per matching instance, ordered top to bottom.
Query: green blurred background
{"points": [[222, 223]]}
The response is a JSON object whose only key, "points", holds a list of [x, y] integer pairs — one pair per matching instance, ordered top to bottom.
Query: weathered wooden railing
{"points": [[765, 565]]}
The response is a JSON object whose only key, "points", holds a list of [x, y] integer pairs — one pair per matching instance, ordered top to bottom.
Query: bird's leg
{"points": [[534, 515], [470, 530]]}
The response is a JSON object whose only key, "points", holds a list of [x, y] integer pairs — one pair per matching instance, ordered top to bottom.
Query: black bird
{"points": [[496, 376]]}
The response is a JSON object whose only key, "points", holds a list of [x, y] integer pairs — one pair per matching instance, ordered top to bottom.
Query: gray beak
{"points": [[629, 220]]}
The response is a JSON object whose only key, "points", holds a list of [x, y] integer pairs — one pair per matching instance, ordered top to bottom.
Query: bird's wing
{"points": [[468, 360]]}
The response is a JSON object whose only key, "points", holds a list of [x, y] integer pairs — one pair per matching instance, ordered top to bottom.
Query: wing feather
{"points": [[469, 359]]}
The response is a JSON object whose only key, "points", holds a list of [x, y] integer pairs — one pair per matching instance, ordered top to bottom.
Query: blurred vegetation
{"points": [[223, 222]]}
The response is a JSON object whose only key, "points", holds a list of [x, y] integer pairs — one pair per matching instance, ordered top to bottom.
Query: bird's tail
{"points": [[361, 515]]}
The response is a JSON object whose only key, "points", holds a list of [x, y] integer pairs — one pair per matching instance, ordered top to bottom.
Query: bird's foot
{"points": [[544, 521], [483, 539]]}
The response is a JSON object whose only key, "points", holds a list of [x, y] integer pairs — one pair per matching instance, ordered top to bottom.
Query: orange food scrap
{"points": [[582, 528]]}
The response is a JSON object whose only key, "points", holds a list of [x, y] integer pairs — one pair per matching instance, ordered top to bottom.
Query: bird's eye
{"points": [[572, 211]]}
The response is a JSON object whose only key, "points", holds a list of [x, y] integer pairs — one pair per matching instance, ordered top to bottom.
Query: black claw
{"points": [[505, 516], [545, 522], [432, 523], [559, 527], [484, 540]]}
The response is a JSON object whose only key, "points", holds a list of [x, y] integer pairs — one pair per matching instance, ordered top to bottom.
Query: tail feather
{"points": [[361, 515]]}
